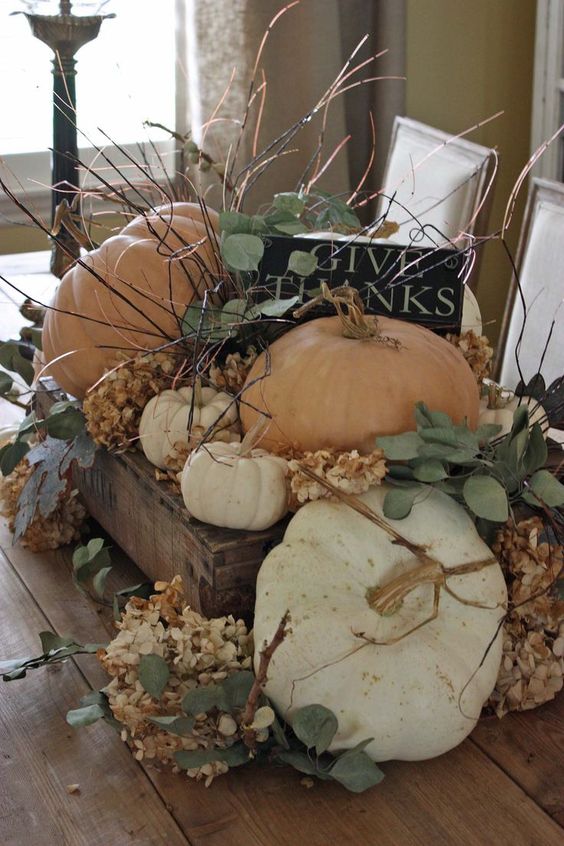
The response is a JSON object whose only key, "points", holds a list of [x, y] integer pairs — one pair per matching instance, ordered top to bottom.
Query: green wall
{"points": [[466, 61]]}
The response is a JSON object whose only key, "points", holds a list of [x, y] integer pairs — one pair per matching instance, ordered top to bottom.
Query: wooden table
{"points": [[504, 785]]}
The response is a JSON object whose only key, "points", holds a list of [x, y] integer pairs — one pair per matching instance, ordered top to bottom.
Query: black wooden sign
{"points": [[423, 285]]}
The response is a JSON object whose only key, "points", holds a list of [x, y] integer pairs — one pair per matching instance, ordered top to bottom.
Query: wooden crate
{"points": [[149, 521]]}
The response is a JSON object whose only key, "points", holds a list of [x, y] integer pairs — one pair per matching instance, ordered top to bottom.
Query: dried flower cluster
{"points": [[476, 350], [231, 375], [113, 409], [350, 472], [60, 528], [198, 652], [532, 667]]}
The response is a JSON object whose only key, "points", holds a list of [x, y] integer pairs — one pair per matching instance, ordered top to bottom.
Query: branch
{"points": [[268, 650]]}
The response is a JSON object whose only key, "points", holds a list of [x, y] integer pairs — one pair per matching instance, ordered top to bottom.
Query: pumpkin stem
{"points": [[355, 323], [198, 402], [254, 435], [387, 599]]}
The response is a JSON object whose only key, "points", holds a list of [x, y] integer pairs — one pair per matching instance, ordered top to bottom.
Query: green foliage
{"points": [[302, 263], [17, 356], [486, 475], [91, 565], [143, 589], [55, 649], [154, 674], [93, 707]]}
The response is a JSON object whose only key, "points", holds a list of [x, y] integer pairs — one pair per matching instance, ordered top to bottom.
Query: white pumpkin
{"points": [[471, 315], [500, 404], [165, 418], [238, 488], [417, 697]]}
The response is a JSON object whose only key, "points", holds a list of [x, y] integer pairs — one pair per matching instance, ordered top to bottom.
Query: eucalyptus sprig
{"points": [[291, 213], [486, 474], [55, 649]]}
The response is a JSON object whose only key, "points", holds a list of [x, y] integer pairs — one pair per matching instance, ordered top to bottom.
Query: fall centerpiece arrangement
{"points": [[417, 579]]}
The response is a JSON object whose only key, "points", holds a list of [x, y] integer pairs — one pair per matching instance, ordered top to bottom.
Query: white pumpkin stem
{"points": [[198, 401], [253, 436]]}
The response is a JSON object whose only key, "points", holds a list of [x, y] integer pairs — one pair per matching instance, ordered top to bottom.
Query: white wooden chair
{"points": [[436, 181], [540, 266]]}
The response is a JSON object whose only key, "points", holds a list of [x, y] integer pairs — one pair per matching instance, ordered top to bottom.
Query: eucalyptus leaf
{"points": [[289, 202], [231, 222], [291, 227], [242, 252], [302, 263], [276, 308], [6, 383], [65, 425], [439, 435], [400, 447], [536, 452], [11, 455], [430, 470], [546, 489], [486, 498], [399, 502], [99, 580], [51, 641], [153, 674], [236, 688], [200, 700], [85, 716], [181, 726], [315, 726], [234, 756], [298, 760], [356, 772]]}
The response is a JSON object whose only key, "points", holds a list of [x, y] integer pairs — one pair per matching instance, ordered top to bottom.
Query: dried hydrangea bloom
{"points": [[476, 350], [231, 375], [113, 409], [351, 472], [59, 529], [198, 652], [532, 667]]}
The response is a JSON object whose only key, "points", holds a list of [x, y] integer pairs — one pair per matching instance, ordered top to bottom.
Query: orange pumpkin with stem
{"points": [[129, 294], [342, 381]]}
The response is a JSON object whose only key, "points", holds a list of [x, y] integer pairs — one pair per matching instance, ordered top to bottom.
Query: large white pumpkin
{"points": [[165, 419], [230, 486], [418, 697]]}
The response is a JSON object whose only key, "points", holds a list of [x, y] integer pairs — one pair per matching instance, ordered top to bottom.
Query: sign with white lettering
{"points": [[423, 285]]}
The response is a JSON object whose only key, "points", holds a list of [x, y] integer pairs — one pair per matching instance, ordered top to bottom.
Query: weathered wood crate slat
{"points": [[148, 520]]}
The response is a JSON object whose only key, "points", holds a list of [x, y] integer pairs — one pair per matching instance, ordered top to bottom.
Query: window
{"points": [[126, 76], [548, 90]]}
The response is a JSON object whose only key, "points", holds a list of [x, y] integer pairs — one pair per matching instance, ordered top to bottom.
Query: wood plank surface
{"points": [[530, 747], [41, 755], [460, 798]]}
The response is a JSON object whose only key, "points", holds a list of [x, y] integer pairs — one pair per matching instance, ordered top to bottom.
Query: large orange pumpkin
{"points": [[134, 299], [324, 389]]}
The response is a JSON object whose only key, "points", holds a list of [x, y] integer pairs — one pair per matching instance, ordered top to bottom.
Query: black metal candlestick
{"points": [[65, 34]]}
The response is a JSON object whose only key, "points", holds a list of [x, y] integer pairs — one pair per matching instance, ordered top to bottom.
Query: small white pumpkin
{"points": [[471, 315], [499, 405], [165, 418], [235, 487], [417, 697]]}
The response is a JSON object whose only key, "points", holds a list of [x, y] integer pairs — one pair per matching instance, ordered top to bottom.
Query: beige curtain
{"points": [[305, 51]]}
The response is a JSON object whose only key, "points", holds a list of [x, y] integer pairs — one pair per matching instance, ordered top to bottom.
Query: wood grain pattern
{"points": [[40, 754], [461, 798]]}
